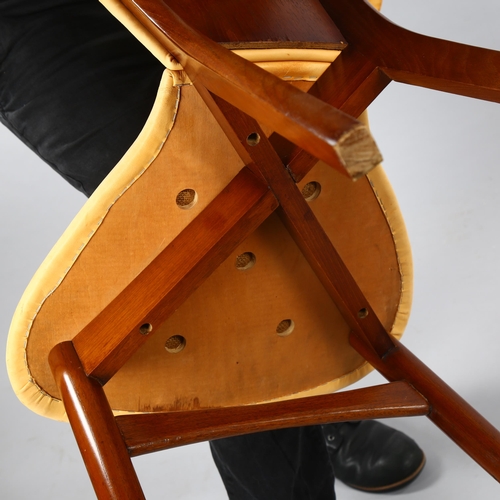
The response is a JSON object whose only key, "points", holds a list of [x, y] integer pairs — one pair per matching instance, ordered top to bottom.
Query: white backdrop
{"points": [[441, 153]]}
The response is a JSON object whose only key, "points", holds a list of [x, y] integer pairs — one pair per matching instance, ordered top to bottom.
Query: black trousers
{"points": [[76, 88]]}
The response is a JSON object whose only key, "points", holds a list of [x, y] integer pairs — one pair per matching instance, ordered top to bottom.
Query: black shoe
{"points": [[371, 456]]}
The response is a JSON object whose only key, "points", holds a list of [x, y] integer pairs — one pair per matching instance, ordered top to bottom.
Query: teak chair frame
{"points": [[266, 184]]}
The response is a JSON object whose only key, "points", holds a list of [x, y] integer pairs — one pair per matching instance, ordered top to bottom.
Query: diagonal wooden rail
{"points": [[315, 126], [109, 340]]}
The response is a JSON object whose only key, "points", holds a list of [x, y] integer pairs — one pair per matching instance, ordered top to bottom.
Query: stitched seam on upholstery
{"points": [[90, 236], [398, 260]]}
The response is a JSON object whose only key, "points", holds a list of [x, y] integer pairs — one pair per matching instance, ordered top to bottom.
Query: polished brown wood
{"points": [[261, 24], [379, 52], [408, 57], [350, 84], [320, 129], [305, 228], [131, 318], [451, 413], [153, 432], [101, 445]]}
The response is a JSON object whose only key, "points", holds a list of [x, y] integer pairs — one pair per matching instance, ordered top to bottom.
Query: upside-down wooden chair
{"points": [[229, 259]]}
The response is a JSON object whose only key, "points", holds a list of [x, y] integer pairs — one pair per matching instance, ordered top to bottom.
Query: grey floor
{"points": [[442, 155]]}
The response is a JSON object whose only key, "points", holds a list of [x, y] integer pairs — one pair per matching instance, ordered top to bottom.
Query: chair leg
{"points": [[452, 414], [101, 445]]}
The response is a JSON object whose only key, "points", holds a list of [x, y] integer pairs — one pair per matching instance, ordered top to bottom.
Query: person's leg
{"points": [[75, 85], [366, 455], [288, 464]]}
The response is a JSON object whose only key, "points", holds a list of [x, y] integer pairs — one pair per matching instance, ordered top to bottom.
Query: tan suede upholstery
{"points": [[233, 352]]}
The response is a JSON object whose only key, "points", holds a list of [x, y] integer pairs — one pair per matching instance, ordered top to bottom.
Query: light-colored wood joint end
{"points": [[358, 151]]}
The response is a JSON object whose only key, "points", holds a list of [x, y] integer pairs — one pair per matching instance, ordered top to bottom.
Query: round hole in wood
{"points": [[253, 139], [311, 190], [186, 199], [245, 261], [363, 313], [285, 327], [145, 328], [175, 344]]}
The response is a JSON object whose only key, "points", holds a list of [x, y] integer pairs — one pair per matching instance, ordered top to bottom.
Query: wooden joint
{"points": [[132, 317], [99, 440]]}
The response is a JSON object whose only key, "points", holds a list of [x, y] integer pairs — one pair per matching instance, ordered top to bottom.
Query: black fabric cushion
{"points": [[75, 85]]}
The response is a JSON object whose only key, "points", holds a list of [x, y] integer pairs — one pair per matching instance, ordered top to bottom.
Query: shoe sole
{"points": [[394, 486]]}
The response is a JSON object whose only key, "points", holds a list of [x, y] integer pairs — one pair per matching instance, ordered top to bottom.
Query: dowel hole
{"points": [[253, 139], [311, 190], [186, 199], [245, 261], [363, 313], [285, 327], [145, 328], [175, 344]]}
